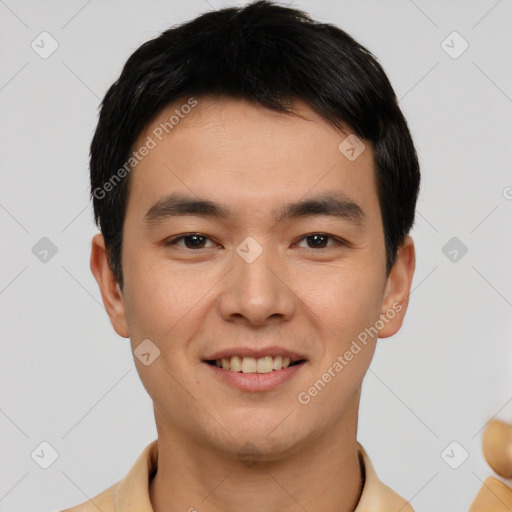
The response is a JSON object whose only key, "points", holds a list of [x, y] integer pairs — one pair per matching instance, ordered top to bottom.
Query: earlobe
{"points": [[109, 287], [398, 288]]}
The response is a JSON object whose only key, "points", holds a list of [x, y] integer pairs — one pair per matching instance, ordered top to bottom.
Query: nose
{"points": [[257, 292]]}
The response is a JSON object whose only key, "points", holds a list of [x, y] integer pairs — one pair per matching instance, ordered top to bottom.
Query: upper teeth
{"points": [[252, 365]]}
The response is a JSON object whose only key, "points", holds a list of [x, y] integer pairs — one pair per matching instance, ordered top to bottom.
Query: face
{"points": [[249, 234]]}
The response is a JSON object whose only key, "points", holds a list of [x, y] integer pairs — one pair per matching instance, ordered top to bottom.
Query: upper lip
{"points": [[256, 353]]}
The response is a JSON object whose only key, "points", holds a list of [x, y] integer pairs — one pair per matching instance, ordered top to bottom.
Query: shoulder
{"points": [[129, 493], [377, 496], [105, 501]]}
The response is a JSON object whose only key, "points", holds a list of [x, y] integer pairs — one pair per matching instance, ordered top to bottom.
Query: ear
{"points": [[398, 287], [110, 290]]}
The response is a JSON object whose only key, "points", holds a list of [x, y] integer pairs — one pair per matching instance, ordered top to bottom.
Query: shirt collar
{"points": [[132, 494]]}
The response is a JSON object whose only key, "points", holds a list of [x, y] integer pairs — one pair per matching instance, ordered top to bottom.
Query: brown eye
{"points": [[319, 240], [191, 241]]}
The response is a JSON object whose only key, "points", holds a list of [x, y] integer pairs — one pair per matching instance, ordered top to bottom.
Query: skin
{"points": [[193, 302]]}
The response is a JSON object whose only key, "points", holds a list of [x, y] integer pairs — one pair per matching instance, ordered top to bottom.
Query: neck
{"points": [[323, 476]]}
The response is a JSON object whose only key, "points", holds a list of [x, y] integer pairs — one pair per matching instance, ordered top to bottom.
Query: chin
{"points": [[259, 440]]}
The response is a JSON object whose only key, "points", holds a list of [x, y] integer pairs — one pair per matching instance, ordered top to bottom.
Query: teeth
{"points": [[235, 364], [265, 364], [249, 365], [252, 365]]}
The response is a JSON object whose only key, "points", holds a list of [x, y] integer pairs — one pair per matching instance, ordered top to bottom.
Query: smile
{"points": [[264, 364], [251, 374]]}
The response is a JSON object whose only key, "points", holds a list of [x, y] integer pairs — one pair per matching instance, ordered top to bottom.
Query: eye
{"points": [[191, 240], [319, 240], [198, 241]]}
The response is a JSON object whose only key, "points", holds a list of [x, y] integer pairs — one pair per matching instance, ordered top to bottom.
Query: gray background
{"points": [[69, 380]]}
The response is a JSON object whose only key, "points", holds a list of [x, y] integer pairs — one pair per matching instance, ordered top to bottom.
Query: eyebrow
{"points": [[332, 204]]}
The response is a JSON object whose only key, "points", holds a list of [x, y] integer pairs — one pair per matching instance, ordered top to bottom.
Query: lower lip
{"points": [[256, 381]]}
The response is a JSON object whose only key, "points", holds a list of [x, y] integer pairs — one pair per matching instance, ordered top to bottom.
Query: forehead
{"points": [[246, 155]]}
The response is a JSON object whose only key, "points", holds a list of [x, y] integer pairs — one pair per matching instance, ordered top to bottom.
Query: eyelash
{"points": [[178, 238]]}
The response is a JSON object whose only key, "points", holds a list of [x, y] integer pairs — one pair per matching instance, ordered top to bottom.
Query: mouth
{"points": [[261, 365], [255, 370], [254, 375]]}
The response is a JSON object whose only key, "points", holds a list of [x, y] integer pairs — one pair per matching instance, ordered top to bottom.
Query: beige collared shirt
{"points": [[131, 493]]}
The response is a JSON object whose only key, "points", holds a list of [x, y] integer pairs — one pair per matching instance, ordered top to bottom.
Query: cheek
{"points": [[158, 296], [346, 299]]}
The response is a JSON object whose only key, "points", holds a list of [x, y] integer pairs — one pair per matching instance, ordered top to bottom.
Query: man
{"points": [[255, 182]]}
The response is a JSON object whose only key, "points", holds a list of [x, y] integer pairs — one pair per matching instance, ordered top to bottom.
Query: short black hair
{"points": [[270, 55]]}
